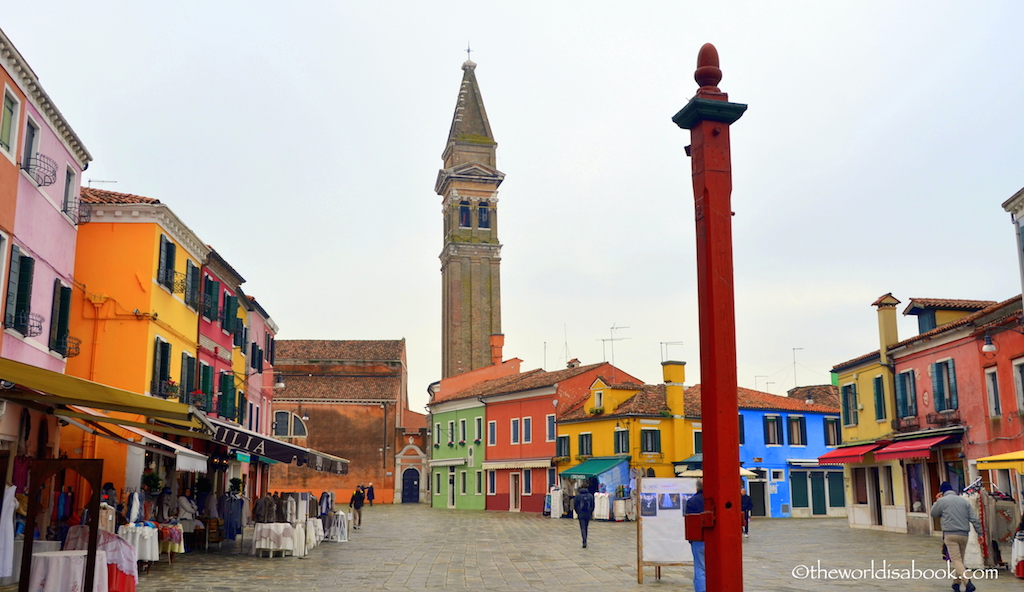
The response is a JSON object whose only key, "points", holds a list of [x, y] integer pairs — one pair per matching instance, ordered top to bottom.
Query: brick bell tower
{"points": [[471, 258]]}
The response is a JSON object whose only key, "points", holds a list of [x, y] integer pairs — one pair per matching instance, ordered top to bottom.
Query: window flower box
{"points": [[596, 410], [477, 441], [462, 442], [451, 444]]}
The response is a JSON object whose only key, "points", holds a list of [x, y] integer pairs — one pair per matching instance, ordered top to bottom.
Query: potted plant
{"points": [[170, 387], [596, 410], [476, 441], [462, 442], [437, 444], [451, 444], [152, 482]]}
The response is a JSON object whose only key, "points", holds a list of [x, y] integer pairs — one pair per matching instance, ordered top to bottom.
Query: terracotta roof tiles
{"points": [[101, 196], [947, 304], [322, 349], [824, 394], [751, 399]]}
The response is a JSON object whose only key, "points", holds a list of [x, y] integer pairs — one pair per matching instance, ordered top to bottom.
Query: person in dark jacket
{"points": [[369, 493], [356, 503], [695, 505], [746, 505], [584, 506], [957, 516]]}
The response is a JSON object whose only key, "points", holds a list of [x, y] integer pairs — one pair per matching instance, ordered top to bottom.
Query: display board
{"points": [[660, 527]]}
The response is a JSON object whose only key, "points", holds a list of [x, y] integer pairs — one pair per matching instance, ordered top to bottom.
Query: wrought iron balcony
{"points": [[42, 169], [79, 212], [172, 280], [193, 298], [25, 322], [69, 346], [163, 388], [197, 398], [948, 417], [906, 424]]}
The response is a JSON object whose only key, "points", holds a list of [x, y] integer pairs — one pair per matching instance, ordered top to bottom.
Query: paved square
{"points": [[413, 547]]}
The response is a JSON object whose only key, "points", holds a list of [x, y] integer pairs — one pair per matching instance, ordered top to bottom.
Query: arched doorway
{"points": [[410, 486]]}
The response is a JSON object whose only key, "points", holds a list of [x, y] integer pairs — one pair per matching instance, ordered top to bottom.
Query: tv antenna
{"points": [[91, 181], [611, 341], [664, 348]]}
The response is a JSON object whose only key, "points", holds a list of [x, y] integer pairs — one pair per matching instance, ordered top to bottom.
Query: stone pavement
{"points": [[413, 547]]}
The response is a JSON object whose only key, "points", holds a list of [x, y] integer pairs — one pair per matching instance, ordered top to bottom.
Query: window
{"points": [[8, 122], [30, 147], [68, 207], [464, 214], [483, 215], [165, 269], [191, 284], [19, 291], [211, 298], [59, 318], [229, 321], [161, 368], [1018, 371], [188, 377], [206, 385], [943, 385], [992, 386], [906, 394], [849, 395], [228, 396], [879, 398], [599, 399], [281, 423], [478, 428], [462, 430], [527, 430], [773, 430], [797, 430], [451, 431], [515, 431], [743, 431], [437, 433], [492, 433], [549, 435], [833, 435], [650, 440], [621, 441], [698, 442], [562, 446], [585, 448], [778, 475], [553, 479], [527, 481], [479, 482], [491, 482], [437, 483], [462, 483], [860, 485], [915, 488]]}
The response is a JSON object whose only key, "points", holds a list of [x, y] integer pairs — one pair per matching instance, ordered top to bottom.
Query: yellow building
{"points": [[137, 313], [644, 425]]}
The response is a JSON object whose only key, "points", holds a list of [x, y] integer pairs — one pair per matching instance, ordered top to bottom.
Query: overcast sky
{"points": [[302, 140]]}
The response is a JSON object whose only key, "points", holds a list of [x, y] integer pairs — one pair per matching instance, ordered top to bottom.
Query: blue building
{"points": [[781, 438]]}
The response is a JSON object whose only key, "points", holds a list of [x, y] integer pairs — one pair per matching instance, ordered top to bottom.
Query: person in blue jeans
{"points": [[695, 505]]}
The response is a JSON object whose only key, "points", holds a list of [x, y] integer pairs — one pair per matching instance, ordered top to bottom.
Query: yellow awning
{"points": [[60, 389], [1010, 460]]}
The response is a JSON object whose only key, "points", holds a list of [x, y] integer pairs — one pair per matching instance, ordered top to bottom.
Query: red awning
{"points": [[919, 448], [843, 456]]}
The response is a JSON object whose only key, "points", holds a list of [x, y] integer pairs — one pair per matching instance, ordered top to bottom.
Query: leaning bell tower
{"points": [[471, 257]]}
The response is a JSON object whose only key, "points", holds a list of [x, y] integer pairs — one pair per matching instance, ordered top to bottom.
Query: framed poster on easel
{"points": [[660, 527]]}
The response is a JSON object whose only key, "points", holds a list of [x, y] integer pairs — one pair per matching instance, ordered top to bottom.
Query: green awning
{"points": [[593, 467]]}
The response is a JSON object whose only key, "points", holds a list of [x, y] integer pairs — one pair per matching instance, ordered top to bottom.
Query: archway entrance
{"points": [[410, 486]]}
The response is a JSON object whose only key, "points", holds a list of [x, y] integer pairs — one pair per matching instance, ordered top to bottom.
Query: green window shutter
{"points": [[8, 123], [161, 266], [191, 284], [12, 287], [23, 308], [55, 315], [63, 320], [230, 321], [157, 351], [938, 393], [901, 396], [879, 398], [953, 403], [855, 410], [825, 422], [767, 430], [803, 431], [743, 434], [657, 441], [798, 481], [836, 491]]}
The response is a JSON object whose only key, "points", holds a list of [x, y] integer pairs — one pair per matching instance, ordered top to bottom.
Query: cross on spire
{"points": [[468, 50]]}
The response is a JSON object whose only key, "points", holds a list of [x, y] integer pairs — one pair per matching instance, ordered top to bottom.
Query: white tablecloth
{"points": [[273, 536], [144, 539], [19, 545], [301, 548], [119, 551], [64, 571]]}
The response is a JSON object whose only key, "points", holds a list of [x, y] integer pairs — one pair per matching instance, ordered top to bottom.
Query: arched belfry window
{"points": [[464, 214], [484, 215], [289, 425]]}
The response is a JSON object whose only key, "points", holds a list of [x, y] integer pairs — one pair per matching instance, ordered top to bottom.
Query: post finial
{"points": [[707, 73]]}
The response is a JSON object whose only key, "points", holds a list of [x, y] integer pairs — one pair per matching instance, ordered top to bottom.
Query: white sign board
{"points": [[661, 528]]}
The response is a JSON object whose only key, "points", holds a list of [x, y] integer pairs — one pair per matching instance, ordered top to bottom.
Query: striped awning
{"points": [[447, 462], [535, 463]]}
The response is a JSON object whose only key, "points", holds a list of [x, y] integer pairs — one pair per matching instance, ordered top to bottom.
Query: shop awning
{"points": [[54, 388], [238, 438], [917, 448], [847, 455], [185, 458], [1010, 460], [536, 463], [593, 467]]}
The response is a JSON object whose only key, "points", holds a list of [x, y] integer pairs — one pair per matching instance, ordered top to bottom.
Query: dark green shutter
{"points": [[161, 266], [12, 287], [24, 304], [55, 315], [63, 320], [230, 320], [157, 365], [938, 392], [901, 396], [879, 398], [953, 403], [767, 427], [743, 431], [803, 431], [657, 441], [798, 481], [836, 491]]}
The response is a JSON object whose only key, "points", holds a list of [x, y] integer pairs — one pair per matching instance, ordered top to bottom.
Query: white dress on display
{"points": [[7, 533]]}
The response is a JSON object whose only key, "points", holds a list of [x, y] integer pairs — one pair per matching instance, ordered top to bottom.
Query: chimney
{"points": [[887, 332], [497, 342], [573, 363], [674, 374]]}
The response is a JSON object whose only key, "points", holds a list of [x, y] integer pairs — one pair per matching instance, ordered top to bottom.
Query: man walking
{"points": [[369, 494], [356, 503], [695, 505], [746, 505], [584, 506], [957, 517]]}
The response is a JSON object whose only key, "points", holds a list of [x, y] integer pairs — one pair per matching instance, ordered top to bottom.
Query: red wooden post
{"points": [[708, 116]]}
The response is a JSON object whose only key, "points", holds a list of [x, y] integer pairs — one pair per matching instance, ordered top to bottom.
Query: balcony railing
{"points": [[42, 169], [172, 280], [25, 322], [69, 346], [164, 388], [198, 398], [949, 417], [906, 424]]}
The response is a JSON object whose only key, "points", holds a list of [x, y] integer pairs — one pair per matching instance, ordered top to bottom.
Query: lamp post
{"points": [[708, 116]]}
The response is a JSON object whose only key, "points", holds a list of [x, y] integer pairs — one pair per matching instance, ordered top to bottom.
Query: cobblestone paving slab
{"points": [[413, 547]]}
